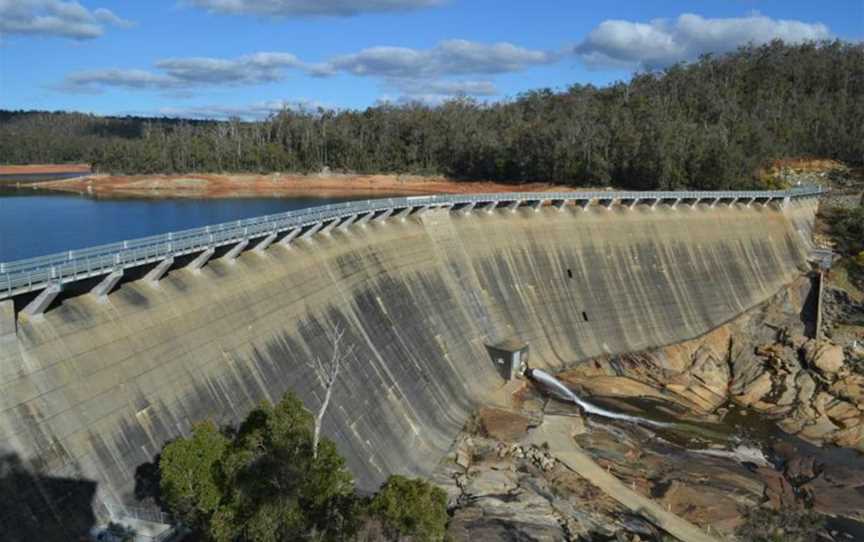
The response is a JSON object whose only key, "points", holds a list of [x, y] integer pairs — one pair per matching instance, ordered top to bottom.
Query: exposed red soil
{"points": [[44, 168], [279, 185]]}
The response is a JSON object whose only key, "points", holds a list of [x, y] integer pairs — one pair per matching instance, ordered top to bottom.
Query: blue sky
{"points": [[216, 58]]}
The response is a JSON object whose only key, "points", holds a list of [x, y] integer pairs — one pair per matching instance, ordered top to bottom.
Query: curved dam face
{"points": [[93, 389]]}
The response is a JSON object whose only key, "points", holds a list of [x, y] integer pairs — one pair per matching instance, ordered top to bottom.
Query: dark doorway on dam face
{"points": [[569, 273], [584, 316], [510, 357]]}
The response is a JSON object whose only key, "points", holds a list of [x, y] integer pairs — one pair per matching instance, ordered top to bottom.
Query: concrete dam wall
{"points": [[93, 389]]}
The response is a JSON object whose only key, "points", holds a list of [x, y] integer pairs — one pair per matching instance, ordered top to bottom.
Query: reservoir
{"points": [[39, 222]]}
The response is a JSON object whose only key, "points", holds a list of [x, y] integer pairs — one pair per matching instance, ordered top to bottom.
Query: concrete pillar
{"points": [[715, 202], [585, 203], [611, 203], [749, 203], [560, 204], [634, 204], [675, 204], [537, 205], [512, 206], [490, 207], [425, 208], [468, 208], [403, 214], [383, 216], [365, 218], [347, 223], [330, 225], [312, 231], [286, 241], [265, 243], [231, 255], [201, 259], [155, 275], [101, 290], [38, 306], [8, 322]]}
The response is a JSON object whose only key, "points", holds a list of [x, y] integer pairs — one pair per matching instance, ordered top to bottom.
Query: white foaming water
{"points": [[556, 387]]}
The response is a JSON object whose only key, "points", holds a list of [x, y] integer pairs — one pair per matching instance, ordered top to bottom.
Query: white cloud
{"points": [[310, 8], [67, 19], [660, 43], [451, 57], [257, 68], [411, 71], [188, 73], [93, 81]]}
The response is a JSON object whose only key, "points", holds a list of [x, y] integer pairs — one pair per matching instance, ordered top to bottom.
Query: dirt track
{"points": [[277, 185]]}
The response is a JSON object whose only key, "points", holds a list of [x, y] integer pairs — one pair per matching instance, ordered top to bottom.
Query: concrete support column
{"points": [[715, 202], [586, 203], [654, 203], [749, 203], [560, 204], [610, 204], [634, 204], [675, 204], [537, 205], [512, 206], [490, 207], [425, 208], [468, 208], [403, 214], [383, 216], [365, 218], [347, 223], [330, 225], [312, 231], [286, 241], [265, 243], [231, 255], [201, 259], [155, 275], [101, 290], [38, 306], [8, 325]]}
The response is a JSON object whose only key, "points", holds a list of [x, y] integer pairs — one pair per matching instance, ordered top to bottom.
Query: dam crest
{"points": [[107, 353]]}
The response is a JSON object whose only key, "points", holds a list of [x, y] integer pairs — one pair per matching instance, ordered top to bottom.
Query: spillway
{"points": [[92, 389]]}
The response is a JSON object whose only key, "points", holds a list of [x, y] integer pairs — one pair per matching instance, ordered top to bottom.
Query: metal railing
{"points": [[32, 274]]}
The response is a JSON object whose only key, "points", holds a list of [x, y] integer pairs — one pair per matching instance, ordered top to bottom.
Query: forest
{"points": [[707, 124]]}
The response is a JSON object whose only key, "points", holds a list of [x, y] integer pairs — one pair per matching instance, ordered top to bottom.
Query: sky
{"points": [[248, 58]]}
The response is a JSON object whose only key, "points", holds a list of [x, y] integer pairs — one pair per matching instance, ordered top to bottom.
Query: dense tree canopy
{"points": [[707, 124], [262, 483]]}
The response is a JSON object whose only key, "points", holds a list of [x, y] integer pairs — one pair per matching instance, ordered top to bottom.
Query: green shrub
{"points": [[847, 228], [262, 484], [411, 507], [786, 525]]}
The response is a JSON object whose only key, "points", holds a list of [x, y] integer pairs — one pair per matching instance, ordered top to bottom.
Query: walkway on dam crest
{"points": [[49, 275]]}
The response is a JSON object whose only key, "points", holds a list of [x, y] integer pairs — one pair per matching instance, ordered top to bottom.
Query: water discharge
{"points": [[557, 388]]}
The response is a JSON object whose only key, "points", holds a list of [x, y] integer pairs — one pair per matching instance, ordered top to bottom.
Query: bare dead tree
{"points": [[328, 373]]}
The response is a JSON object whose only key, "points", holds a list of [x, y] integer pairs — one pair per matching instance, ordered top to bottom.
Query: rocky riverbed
{"points": [[762, 435]]}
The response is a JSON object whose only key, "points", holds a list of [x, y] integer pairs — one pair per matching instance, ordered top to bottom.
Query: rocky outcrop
{"points": [[762, 361]]}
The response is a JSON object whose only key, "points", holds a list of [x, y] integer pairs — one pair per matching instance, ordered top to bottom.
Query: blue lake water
{"points": [[38, 222]]}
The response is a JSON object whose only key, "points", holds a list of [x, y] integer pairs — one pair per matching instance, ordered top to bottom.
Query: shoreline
{"points": [[278, 185]]}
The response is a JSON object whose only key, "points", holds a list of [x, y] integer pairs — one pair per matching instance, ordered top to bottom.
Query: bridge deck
{"points": [[34, 274]]}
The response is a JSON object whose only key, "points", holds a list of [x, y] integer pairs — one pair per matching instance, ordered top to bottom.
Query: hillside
{"points": [[706, 125]]}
